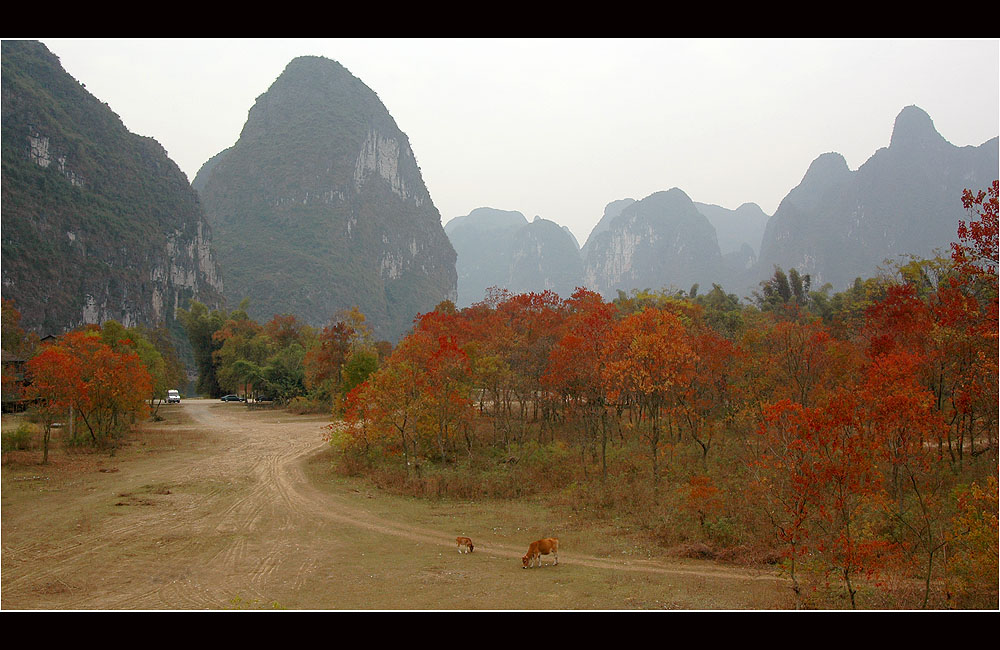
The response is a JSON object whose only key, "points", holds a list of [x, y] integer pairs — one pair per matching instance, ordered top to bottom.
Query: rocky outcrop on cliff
{"points": [[320, 206], [98, 223]]}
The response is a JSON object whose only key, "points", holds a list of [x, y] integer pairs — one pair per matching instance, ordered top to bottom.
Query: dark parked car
{"points": [[231, 398]]}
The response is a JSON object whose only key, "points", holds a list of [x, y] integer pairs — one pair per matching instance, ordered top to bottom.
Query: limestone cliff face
{"points": [[320, 206], [611, 212], [98, 223], [660, 242], [787, 243]]}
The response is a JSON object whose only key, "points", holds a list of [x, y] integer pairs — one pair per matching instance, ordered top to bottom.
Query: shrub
{"points": [[303, 406], [19, 439]]}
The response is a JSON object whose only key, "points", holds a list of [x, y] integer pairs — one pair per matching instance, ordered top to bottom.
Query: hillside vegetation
{"points": [[320, 206], [99, 224]]}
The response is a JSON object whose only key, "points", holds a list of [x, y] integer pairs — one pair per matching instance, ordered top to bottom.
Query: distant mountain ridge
{"points": [[320, 206], [98, 223], [839, 224], [836, 225], [735, 228], [501, 248]]}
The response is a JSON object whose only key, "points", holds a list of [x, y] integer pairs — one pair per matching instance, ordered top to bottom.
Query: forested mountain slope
{"points": [[320, 206], [98, 223]]}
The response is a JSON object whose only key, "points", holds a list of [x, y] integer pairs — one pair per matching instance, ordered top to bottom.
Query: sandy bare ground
{"points": [[231, 511]]}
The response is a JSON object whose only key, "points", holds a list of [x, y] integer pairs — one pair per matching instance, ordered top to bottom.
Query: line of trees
{"points": [[284, 359], [852, 433]]}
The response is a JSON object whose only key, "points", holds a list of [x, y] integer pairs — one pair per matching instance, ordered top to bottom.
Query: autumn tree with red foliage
{"points": [[976, 252], [974, 299], [532, 323], [804, 360], [576, 366], [55, 379], [445, 388], [107, 389], [418, 399], [704, 405], [384, 406], [896, 410], [785, 478], [820, 478]]}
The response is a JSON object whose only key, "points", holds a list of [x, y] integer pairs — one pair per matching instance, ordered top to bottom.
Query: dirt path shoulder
{"points": [[225, 508]]}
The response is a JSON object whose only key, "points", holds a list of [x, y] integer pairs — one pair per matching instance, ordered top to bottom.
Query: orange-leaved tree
{"points": [[976, 251], [533, 322], [648, 360], [55, 379], [445, 389], [704, 404], [785, 477], [820, 482], [850, 490]]}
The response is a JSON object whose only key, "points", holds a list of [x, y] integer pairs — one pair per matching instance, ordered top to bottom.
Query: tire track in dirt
{"points": [[245, 457], [256, 521], [233, 527]]}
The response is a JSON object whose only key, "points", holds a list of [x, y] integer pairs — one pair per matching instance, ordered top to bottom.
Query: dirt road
{"points": [[225, 508]]}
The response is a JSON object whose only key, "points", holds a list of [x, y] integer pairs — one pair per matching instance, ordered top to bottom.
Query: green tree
{"points": [[201, 326], [240, 339], [362, 362], [284, 373]]}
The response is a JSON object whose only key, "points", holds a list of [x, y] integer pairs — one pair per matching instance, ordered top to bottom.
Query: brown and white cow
{"points": [[465, 542], [538, 549]]}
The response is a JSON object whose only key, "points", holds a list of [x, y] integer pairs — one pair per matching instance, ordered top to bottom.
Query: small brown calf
{"points": [[466, 543]]}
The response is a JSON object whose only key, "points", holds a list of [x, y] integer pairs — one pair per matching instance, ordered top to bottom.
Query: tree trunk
{"points": [[654, 442], [45, 443], [604, 447]]}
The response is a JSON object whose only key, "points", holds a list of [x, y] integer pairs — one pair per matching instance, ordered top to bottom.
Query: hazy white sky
{"points": [[561, 127]]}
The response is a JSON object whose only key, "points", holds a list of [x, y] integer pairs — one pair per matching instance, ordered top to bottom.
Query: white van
{"points": [[173, 396]]}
